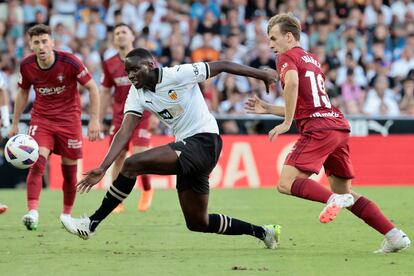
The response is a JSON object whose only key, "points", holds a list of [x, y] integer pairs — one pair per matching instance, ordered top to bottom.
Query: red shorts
{"points": [[141, 137], [65, 141], [328, 148]]}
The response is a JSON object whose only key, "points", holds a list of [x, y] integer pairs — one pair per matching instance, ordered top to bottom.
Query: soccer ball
{"points": [[21, 151]]}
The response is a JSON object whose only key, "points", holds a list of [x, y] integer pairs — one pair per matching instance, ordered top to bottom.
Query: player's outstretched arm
{"points": [[267, 76], [291, 95], [22, 98], [254, 105], [93, 126], [121, 138]]}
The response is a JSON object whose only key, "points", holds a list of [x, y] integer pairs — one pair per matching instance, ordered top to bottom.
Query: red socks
{"points": [[34, 183], [146, 184], [69, 187], [309, 189], [369, 212]]}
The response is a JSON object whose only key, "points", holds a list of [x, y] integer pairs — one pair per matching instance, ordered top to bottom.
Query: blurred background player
{"points": [[114, 75], [4, 107], [55, 117], [5, 120], [324, 136], [3, 208]]}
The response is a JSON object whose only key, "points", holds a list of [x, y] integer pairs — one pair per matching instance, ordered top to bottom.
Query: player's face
{"points": [[123, 37], [278, 42], [42, 45], [138, 71]]}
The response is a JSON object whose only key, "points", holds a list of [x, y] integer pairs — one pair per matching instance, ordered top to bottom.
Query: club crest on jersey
{"points": [[60, 78], [172, 94]]}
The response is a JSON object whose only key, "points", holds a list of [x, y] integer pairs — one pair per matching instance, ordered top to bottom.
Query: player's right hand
{"points": [[254, 105], [14, 129], [92, 178]]}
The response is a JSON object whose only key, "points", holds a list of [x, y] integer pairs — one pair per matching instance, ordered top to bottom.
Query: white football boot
{"points": [[31, 220], [77, 226], [398, 242]]}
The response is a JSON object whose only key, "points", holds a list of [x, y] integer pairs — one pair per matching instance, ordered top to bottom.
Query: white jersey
{"points": [[177, 100]]}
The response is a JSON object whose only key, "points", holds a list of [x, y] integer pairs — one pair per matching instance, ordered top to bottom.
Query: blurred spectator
{"points": [[65, 7], [30, 8], [200, 8], [400, 8], [374, 11], [127, 12], [93, 22], [231, 22], [256, 27], [205, 52], [351, 64], [401, 67], [352, 95], [233, 98], [380, 99], [407, 101]]}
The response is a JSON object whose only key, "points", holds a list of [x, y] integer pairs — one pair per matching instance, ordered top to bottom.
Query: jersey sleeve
{"points": [[285, 64], [82, 73], [192, 73], [106, 80], [23, 82], [133, 105]]}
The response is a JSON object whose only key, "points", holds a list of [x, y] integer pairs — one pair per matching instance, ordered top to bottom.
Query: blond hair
{"points": [[287, 24]]}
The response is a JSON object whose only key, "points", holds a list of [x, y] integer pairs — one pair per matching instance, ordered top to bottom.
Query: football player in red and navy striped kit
{"points": [[56, 114], [324, 136]]}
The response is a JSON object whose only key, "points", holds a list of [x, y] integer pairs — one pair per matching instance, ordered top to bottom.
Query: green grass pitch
{"points": [[158, 243]]}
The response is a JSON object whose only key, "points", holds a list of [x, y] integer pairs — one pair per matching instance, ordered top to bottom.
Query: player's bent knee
{"points": [[129, 167], [284, 187]]}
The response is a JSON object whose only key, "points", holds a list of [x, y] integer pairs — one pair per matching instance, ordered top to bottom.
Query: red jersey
{"points": [[114, 75], [57, 96], [313, 108]]}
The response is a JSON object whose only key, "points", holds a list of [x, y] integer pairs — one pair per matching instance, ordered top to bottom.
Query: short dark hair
{"points": [[123, 25], [39, 29], [140, 53]]}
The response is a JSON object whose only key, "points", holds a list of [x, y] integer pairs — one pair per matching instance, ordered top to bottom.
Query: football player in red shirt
{"points": [[115, 76], [56, 114], [324, 136]]}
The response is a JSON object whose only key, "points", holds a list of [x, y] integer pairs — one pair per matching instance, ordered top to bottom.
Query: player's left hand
{"points": [[271, 77], [279, 129], [93, 130], [92, 178]]}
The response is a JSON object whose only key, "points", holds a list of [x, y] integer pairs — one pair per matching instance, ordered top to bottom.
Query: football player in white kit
{"points": [[173, 95]]}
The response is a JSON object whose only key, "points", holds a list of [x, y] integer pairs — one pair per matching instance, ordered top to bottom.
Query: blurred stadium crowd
{"points": [[366, 46]]}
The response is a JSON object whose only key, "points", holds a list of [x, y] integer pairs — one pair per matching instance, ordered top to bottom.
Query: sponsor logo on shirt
{"points": [[195, 69], [82, 74], [122, 81], [50, 90], [173, 95], [325, 114]]}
